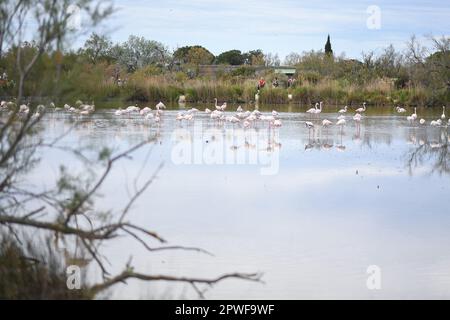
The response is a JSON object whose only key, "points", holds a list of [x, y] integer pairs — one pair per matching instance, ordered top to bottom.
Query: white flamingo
{"points": [[160, 105], [219, 108], [24, 109], [131, 109], [363, 109], [400, 110], [144, 111], [312, 111], [319, 111], [342, 111], [443, 113], [215, 115], [414, 115], [180, 116], [357, 117], [232, 119], [269, 119], [422, 121], [277, 123], [326, 123], [341, 123], [434, 123], [309, 125]]}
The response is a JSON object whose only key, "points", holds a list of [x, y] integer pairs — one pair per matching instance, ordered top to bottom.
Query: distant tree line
{"points": [[138, 52], [424, 70]]}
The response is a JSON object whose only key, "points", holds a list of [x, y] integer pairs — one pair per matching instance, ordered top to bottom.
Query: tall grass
{"points": [[90, 83], [31, 270]]}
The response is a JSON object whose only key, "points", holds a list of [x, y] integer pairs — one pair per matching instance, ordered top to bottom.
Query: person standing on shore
{"points": [[261, 83], [275, 83]]}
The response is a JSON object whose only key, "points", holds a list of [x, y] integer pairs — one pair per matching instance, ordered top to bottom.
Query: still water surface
{"points": [[336, 202]]}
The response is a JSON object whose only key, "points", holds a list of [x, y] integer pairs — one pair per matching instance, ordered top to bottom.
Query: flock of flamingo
{"points": [[218, 114], [250, 118]]}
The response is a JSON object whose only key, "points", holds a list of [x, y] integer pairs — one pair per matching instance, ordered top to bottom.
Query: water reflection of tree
{"points": [[435, 153]]}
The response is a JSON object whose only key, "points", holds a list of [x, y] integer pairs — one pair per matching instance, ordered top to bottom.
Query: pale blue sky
{"points": [[277, 26]]}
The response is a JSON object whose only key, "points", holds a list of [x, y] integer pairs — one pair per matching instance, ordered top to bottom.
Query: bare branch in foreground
{"points": [[129, 274]]}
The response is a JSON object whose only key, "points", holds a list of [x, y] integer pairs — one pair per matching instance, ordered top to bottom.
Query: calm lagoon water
{"points": [[310, 209]]}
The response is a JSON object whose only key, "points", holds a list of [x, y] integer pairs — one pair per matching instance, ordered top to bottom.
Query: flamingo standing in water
{"points": [[160, 105], [216, 105], [222, 107], [363, 109], [312, 110], [400, 110], [144, 111], [319, 111], [342, 111], [443, 113], [414, 115], [357, 118], [277, 123], [326, 123], [341, 123], [436, 123], [309, 125]]}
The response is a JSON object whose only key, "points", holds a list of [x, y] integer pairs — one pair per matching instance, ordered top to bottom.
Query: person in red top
{"points": [[261, 83]]}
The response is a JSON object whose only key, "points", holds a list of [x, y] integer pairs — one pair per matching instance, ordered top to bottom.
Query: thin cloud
{"points": [[277, 26]]}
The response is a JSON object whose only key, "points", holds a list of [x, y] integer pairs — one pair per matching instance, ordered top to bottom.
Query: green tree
{"points": [[97, 47], [328, 50], [138, 52], [193, 55], [199, 55], [233, 57], [254, 57]]}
